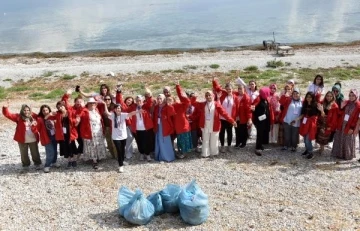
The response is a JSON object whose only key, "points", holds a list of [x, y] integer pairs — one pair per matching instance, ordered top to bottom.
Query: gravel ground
{"points": [[277, 191]]}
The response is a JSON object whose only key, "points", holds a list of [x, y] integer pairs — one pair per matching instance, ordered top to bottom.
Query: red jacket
{"points": [[223, 96], [284, 101], [243, 109], [219, 110], [193, 118], [332, 118], [353, 118], [166, 119], [180, 121], [148, 122], [85, 127], [308, 128], [20, 129], [42, 130], [59, 135]]}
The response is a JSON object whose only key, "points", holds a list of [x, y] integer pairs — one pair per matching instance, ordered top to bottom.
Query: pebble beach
{"points": [[277, 191]]}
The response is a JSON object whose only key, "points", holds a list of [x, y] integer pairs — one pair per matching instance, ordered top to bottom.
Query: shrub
{"points": [[274, 63], [214, 66], [251, 68], [68, 77]]}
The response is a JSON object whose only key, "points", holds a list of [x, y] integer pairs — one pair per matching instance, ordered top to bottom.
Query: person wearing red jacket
{"points": [[229, 102], [275, 106], [77, 108], [309, 116], [193, 117], [244, 117], [327, 120], [209, 122], [181, 123], [141, 125], [163, 128], [46, 129], [65, 131], [93, 133], [25, 134], [345, 135]]}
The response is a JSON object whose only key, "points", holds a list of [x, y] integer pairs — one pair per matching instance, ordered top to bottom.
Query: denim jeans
{"points": [[308, 144], [51, 152]]}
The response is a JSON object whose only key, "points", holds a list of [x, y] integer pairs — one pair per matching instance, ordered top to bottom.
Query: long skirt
{"points": [[274, 134], [322, 137], [184, 142], [344, 146], [95, 148], [163, 148]]}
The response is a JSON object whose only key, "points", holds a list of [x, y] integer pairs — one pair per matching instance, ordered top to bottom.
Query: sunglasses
{"points": [[107, 99]]}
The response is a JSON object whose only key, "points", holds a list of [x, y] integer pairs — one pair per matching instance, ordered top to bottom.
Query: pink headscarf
{"points": [[273, 85], [264, 93], [356, 93]]}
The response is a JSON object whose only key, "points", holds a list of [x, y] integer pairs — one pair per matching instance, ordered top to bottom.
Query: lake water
{"points": [[75, 25]]}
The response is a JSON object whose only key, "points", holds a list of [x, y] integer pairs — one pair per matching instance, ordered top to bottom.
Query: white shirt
{"points": [[314, 88], [253, 95], [228, 105], [209, 117], [140, 126], [119, 133], [29, 135]]}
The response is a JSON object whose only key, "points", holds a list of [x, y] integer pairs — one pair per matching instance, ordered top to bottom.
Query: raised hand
{"points": [[7, 103]]}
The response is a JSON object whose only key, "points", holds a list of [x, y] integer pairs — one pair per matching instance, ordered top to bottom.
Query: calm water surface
{"points": [[74, 25]]}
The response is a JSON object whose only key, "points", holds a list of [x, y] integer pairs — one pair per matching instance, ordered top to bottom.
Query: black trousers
{"points": [[225, 126], [242, 134], [262, 135], [145, 141], [79, 149], [120, 149]]}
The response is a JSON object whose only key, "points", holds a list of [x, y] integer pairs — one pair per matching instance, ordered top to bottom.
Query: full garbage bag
{"points": [[193, 204]]}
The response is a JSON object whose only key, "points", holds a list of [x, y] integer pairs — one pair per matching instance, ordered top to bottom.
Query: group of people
{"points": [[110, 123]]}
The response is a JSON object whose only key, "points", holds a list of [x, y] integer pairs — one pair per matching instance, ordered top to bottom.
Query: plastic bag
{"points": [[124, 196], [169, 197], [155, 199], [193, 204], [139, 210]]}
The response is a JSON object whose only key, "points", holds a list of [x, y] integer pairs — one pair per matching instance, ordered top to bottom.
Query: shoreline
{"points": [[169, 51]]}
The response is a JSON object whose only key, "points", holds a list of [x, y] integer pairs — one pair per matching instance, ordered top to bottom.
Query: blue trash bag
{"points": [[124, 196], [169, 197], [155, 199], [193, 204], [139, 210]]}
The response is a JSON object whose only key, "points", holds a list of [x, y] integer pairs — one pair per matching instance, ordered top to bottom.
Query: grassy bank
{"points": [[51, 85]]}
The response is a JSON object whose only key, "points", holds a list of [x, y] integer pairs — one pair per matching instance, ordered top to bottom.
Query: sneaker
{"points": [[330, 145], [237, 146], [242, 146], [284, 148], [222, 149], [228, 149], [293, 149], [198, 150], [258, 153], [304, 153], [180, 156], [310, 156], [142, 157], [148, 158], [125, 163], [74, 164], [57, 165], [69, 165], [95, 165], [37, 167], [25, 169], [47, 169], [121, 169]]}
